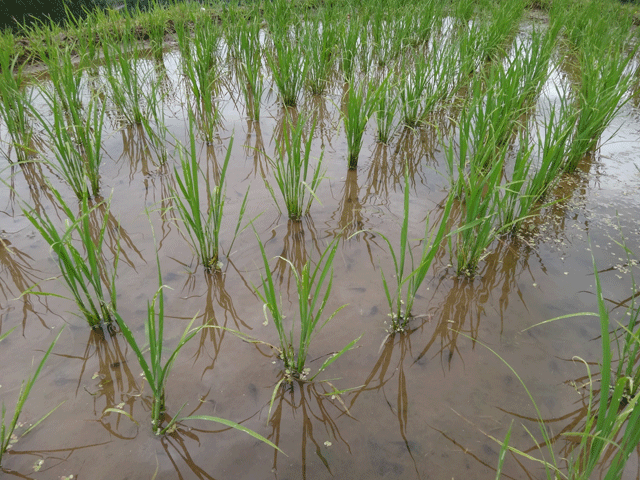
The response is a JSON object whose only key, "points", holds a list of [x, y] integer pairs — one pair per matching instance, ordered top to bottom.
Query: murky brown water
{"points": [[422, 404]]}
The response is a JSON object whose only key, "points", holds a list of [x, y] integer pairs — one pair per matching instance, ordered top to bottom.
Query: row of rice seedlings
{"points": [[288, 62], [250, 68], [126, 78], [602, 92], [15, 101], [360, 103], [75, 137], [291, 169], [202, 225], [89, 280], [313, 284], [401, 296], [7, 436]]}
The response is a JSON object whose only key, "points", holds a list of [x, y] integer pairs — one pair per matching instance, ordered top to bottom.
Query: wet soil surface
{"points": [[422, 404]]}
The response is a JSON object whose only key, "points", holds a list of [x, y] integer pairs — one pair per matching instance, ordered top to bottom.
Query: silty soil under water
{"points": [[422, 403]]}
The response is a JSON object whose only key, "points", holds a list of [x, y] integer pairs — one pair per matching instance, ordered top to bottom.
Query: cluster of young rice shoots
{"points": [[497, 31], [319, 40], [350, 44], [531, 59], [288, 63], [204, 72], [250, 73], [126, 78], [604, 82], [15, 101], [360, 103], [386, 109], [154, 123], [75, 137], [291, 169], [514, 206], [479, 207], [202, 224], [84, 268], [313, 284], [402, 293], [7, 430]]}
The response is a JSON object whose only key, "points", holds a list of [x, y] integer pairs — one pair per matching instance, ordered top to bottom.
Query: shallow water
{"points": [[419, 405]]}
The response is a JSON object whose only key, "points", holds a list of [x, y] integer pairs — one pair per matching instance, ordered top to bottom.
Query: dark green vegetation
{"points": [[503, 110]]}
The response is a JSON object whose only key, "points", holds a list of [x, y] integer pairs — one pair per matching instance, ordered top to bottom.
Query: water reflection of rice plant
{"points": [[219, 311], [395, 352], [113, 381], [318, 405]]}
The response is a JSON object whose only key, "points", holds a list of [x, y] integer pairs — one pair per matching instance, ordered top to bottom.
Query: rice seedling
{"points": [[498, 31], [350, 35], [319, 40], [532, 59], [288, 63], [203, 70], [125, 77], [251, 77], [428, 82], [602, 93], [15, 101], [361, 101], [386, 110], [500, 115], [154, 124], [76, 141], [554, 141], [291, 169], [516, 204], [480, 207], [203, 226], [91, 284], [313, 285], [402, 295], [7, 437]]}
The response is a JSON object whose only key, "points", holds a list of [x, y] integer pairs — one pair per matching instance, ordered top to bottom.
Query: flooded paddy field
{"points": [[423, 401]]}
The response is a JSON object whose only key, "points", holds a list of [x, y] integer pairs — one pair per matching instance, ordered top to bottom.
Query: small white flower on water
{"points": [[327, 443]]}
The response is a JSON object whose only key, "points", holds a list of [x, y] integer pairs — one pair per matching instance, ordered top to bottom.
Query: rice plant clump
{"points": [[291, 169], [202, 224], [87, 276], [313, 284], [402, 295]]}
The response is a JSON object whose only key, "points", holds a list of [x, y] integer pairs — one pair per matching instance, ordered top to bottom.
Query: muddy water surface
{"points": [[418, 405]]}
